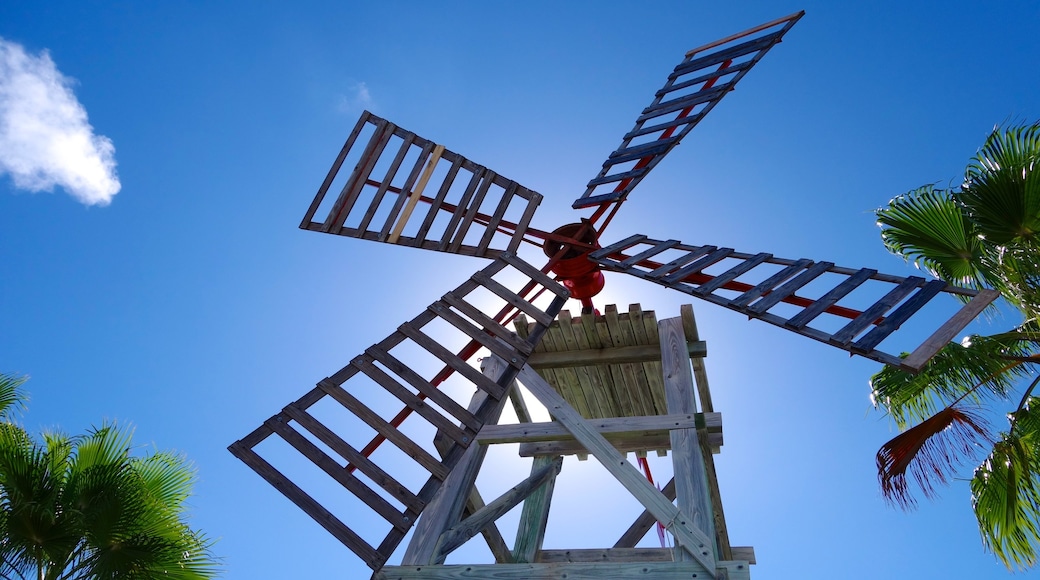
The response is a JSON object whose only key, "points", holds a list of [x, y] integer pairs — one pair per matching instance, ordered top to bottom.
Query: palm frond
{"points": [[1001, 191], [929, 228], [981, 368], [12, 396], [929, 453], [1006, 496]]}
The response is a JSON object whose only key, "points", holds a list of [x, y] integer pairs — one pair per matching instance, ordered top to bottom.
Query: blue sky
{"points": [[192, 306]]}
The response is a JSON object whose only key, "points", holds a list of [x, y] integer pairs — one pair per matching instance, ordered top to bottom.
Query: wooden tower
{"points": [[614, 384]]}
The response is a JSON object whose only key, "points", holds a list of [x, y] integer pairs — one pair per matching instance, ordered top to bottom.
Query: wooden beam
{"points": [[639, 353], [620, 426], [658, 440], [691, 485], [446, 507], [535, 514], [642, 525], [471, 526], [700, 546], [607, 555], [555, 571]]}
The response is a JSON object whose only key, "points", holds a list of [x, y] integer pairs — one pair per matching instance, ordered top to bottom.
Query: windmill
{"points": [[410, 191]]}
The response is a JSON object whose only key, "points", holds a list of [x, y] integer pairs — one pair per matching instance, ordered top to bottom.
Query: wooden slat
{"points": [[384, 185], [323, 190], [349, 194], [413, 197], [534, 198], [435, 205], [460, 209], [471, 213], [496, 218], [653, 251], [681, 261], [732, 274], [771, 282], [790, 287], [512, 298], [830, 298], [876, 310], [901, 315], [488, 323], [947, 331], [478, 334], [449, 358], [384, 380], [426, 388], [620, 426], [391, 433], [653, 441], [355, 458], [691, 484], [535, 514], [324, 517], [674, 520], [644, 522], [457, 535], [551, 571]]}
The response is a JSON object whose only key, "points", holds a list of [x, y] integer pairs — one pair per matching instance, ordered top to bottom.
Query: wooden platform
{"points": [[605, 366]]}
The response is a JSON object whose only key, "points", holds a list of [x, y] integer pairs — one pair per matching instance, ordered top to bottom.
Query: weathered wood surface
{"points": [[396, 205], [900, 297], [605, 366], [621, 426], [656, 441], [691, 485], [535, 514], [678, 523], [471, 526], [745, 553], [555, 571]]}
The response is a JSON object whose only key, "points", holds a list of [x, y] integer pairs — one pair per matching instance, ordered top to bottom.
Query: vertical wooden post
{"points": [[691, 485], [445, 509], [535, 514]]}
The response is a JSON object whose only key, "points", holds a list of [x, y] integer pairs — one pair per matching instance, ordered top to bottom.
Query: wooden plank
{"points": [[347, 145], [358, 179], [384, 185], [413, 198], [533, 199], [401, 200], [438, 200], [460, 209], [471, 213], [496, 218], [617, 246], [653, 251], [681, 261], [699, 265], [732, 274], [771, 282], [792, 286], [512, 298], [830, 298], [875, 311], [893, 321], [488, 324], [644, 327], [948, 330], [634, 333], [478, 334], [449, 358], [364, 363], [653, 371], [700, 372], [624, 374], [599, 376], [567, 381], [439, 397], [599, 402], [621, 426], [653, 441], [409, 447], [355, 458], [337, 472], [691, 486], [446, 507], [535, 514], [324, 517], [644, 522], [678, 523], [459, 534], [606, 555], [549, 571]]}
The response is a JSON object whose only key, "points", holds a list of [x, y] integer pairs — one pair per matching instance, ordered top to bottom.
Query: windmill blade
{"points": [[693, 89], [466, 208], [767, 288], [316, 433]]}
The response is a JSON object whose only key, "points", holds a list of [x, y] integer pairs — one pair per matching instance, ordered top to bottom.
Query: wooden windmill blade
{"points": [[692, 90], [410, 191], [756, 284], [322, 428]]}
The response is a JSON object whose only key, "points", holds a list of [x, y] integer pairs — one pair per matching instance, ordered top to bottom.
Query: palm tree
{"points": [[985, 233], [82, 507]]}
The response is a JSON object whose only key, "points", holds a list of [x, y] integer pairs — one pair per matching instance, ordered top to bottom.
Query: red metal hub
{"points": [[575, 271]]}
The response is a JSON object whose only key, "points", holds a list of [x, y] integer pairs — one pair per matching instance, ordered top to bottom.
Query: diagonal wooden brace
{"points": [[694, 541]]}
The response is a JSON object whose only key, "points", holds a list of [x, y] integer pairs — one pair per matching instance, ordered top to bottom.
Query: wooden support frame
{"points": [[693, 540]]}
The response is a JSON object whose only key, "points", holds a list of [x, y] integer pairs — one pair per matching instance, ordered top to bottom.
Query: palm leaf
{"points": [[1001, 191], [929, 228], [983, 367], [12, 396], [929, 453], [1006, 491]]}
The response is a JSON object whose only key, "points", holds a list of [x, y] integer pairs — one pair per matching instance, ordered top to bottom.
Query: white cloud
{"points": [[358, 99], [45, 138]]}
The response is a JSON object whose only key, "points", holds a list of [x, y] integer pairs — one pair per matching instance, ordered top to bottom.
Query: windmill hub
{"points": [[575, 271]]}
